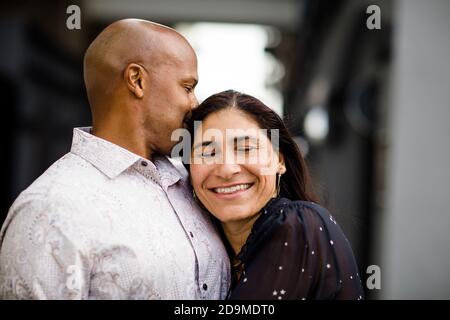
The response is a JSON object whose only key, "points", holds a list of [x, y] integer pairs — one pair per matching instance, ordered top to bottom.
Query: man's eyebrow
{"points": [[202, 144]]}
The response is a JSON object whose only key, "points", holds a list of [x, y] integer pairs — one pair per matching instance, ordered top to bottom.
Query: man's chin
{"points": [[185, 125], [165, 152]]}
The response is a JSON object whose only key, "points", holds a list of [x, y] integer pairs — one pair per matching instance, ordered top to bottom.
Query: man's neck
{"points": [[124, 135]]}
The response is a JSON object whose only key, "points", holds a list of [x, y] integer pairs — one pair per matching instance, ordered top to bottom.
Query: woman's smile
{"points": [[231, 191]]}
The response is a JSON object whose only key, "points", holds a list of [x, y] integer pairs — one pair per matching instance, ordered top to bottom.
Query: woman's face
{"points": [[233, 165]]}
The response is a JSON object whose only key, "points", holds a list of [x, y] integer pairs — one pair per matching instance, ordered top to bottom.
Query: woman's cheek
{"points": [[195, 175]]}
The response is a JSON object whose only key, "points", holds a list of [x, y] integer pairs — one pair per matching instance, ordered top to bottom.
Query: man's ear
{"points": [[134, 78]]}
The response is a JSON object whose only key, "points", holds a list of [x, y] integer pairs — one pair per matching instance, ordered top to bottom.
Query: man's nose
{"points": [[194, 102]]}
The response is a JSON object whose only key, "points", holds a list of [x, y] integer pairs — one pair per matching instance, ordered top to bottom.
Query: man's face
{"points": [[170, 99]]}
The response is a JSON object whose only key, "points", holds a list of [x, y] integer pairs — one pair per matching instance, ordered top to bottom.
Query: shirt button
{"points": [[144, 163], [191, 234], [205, 286]]}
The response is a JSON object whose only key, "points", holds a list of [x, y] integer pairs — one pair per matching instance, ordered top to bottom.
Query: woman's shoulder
{"points": [[312, 209], [305, 210], [309, 217], [299, 222]]}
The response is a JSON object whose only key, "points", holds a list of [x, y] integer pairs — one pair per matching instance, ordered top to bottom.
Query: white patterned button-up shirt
{"points": [[104, 223]]}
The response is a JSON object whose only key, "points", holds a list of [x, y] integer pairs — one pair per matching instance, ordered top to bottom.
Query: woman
{"points": [[281, 243]]}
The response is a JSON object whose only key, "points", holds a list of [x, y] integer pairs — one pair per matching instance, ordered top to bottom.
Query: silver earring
{"points": [[278, 183], [193, 194]]}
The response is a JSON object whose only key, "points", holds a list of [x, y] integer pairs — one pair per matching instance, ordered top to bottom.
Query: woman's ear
{"points": [[134, 78], [281, 164]]}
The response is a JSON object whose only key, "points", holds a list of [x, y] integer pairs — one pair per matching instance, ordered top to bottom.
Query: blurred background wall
{"points": [[369, 108], [414, 237]]}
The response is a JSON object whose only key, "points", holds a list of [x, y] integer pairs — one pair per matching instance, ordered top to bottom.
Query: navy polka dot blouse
{"points": [[295, 250]]}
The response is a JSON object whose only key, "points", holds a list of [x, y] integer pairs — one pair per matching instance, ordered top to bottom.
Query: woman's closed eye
{"points": [[246, 149], [208, 154]]}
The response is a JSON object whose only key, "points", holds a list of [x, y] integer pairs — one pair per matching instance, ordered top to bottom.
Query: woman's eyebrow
{"points": [[245, 138], [234, 139]]}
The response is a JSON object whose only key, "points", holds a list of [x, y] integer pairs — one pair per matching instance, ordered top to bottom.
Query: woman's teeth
{"points": [[232, 189]]}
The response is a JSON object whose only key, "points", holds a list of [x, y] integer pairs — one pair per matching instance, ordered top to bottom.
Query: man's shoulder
{"points": [[68, 172], [60, 181], [60, 185], [43, 201]]}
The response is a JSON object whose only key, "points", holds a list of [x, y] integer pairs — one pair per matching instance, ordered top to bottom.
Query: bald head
{"points": [[120, 44]]}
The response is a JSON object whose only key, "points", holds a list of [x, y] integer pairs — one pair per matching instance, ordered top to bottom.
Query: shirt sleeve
{"points": [[39, 255], [307, 256]]}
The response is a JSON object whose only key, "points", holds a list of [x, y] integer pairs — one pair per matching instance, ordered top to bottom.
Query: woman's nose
{"points": [[228, 169]]}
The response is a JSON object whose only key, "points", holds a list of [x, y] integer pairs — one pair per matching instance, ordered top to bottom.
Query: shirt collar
{"points": [[107, 157], [112, 159], [168, 172]]}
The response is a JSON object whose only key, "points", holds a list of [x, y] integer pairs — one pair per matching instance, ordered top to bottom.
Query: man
{"points": [[114, 218]]}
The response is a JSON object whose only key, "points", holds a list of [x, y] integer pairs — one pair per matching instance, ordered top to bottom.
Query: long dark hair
{"points": [[296, 182]]}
